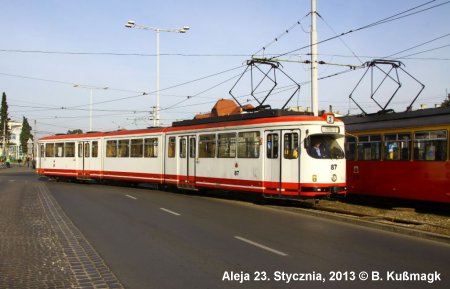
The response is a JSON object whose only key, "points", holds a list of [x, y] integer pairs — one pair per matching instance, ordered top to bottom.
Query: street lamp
{"points": [[184, 29], [90, 87]]}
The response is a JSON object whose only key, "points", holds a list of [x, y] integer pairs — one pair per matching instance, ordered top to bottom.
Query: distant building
{"points": [[13, 149]]}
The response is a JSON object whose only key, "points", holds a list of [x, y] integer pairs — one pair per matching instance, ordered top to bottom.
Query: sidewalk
{"points": [[16, 169], [39, 246]]}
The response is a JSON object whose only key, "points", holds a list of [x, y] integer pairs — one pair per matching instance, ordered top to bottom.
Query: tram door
{"points": [[41, 155], [83, 159], [187, 161], [290, 161], [281, 162], [272, 163]]}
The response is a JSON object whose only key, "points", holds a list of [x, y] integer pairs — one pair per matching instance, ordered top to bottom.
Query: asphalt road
{"points": [[153, 239]]}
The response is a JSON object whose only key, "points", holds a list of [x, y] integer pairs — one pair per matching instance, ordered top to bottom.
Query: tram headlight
{"points": [[334, 177], [314, 178]]}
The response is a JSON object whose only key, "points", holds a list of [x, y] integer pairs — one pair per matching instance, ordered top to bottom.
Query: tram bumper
{"points": [[323, 190]]}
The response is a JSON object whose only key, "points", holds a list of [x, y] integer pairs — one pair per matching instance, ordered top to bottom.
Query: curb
{"points": [[373, 224]]}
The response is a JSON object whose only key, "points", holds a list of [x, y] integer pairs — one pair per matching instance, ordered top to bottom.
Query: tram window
{"points": [[248, 144], [226, 145], [430, 145], [207, 146], [272, 146], [291, 146], [324, 146], [397, 146], [151, 147], [171, 147], [183, 147], [192, 147], [111, 148], [123, 148], [137, 148], [350, 148], [369, 148], [69, 149], [95, 149], [50, 150], [59, 150], [80, 150], [87, 150], [42, 152]]}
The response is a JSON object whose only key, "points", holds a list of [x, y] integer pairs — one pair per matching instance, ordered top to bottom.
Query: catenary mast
{"points": [[314, 65]]}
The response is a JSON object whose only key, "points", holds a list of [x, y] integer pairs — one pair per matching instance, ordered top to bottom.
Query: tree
{"points": [[446, 102], [4, 128], [75, 131], [25, 135]]}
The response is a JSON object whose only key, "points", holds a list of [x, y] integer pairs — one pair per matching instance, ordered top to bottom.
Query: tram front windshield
{"points": [[324, 147]]}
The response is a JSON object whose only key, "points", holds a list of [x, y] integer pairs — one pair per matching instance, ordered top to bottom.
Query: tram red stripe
{"points": [[219, 183]]}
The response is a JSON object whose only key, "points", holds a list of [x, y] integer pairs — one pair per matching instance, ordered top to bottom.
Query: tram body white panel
{"points": [[58, 157], [122, 165], [60, 166], [230, 168], [322, 172], [230, 173]]}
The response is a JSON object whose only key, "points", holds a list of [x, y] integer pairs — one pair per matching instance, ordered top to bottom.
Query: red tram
{"points": [[400, 155]]}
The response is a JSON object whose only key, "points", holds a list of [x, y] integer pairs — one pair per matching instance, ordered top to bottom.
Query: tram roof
{"points": [[240, 117], [235, 119], [389, 120]]}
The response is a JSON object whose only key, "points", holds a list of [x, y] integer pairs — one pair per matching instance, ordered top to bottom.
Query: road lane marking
{"points": [[131, 197], [169, 211], [260, 246]]}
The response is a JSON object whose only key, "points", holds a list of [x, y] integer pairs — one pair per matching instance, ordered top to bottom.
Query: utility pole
{"points": [[314, 65], [90, 87], [4, 139], [35, 147]]}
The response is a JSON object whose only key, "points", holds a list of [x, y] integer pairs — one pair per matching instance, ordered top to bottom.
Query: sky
{"points": [[53, 53]]}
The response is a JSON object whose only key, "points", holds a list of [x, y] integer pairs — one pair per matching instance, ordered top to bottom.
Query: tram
{"points": [[277, 153], [399, 155]]}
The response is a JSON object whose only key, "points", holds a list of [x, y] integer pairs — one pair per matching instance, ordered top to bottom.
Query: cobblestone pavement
{"points": [[39, 246]]}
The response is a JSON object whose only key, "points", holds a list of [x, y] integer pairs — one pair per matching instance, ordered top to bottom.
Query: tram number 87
{"points": [[333, 167]]}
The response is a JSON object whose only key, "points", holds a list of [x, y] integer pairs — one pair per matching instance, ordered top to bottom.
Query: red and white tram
{"points": [[270, 152]]}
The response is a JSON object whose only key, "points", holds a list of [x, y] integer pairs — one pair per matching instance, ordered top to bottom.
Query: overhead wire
{"points": [[391, 18], [382, 21], [293, 26], [340, 38], [418, 45], [424, 51], [121, 54], [62, 82], [163, 89], [124, 90], [203, 91], [176, 105], [73, 109]]}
